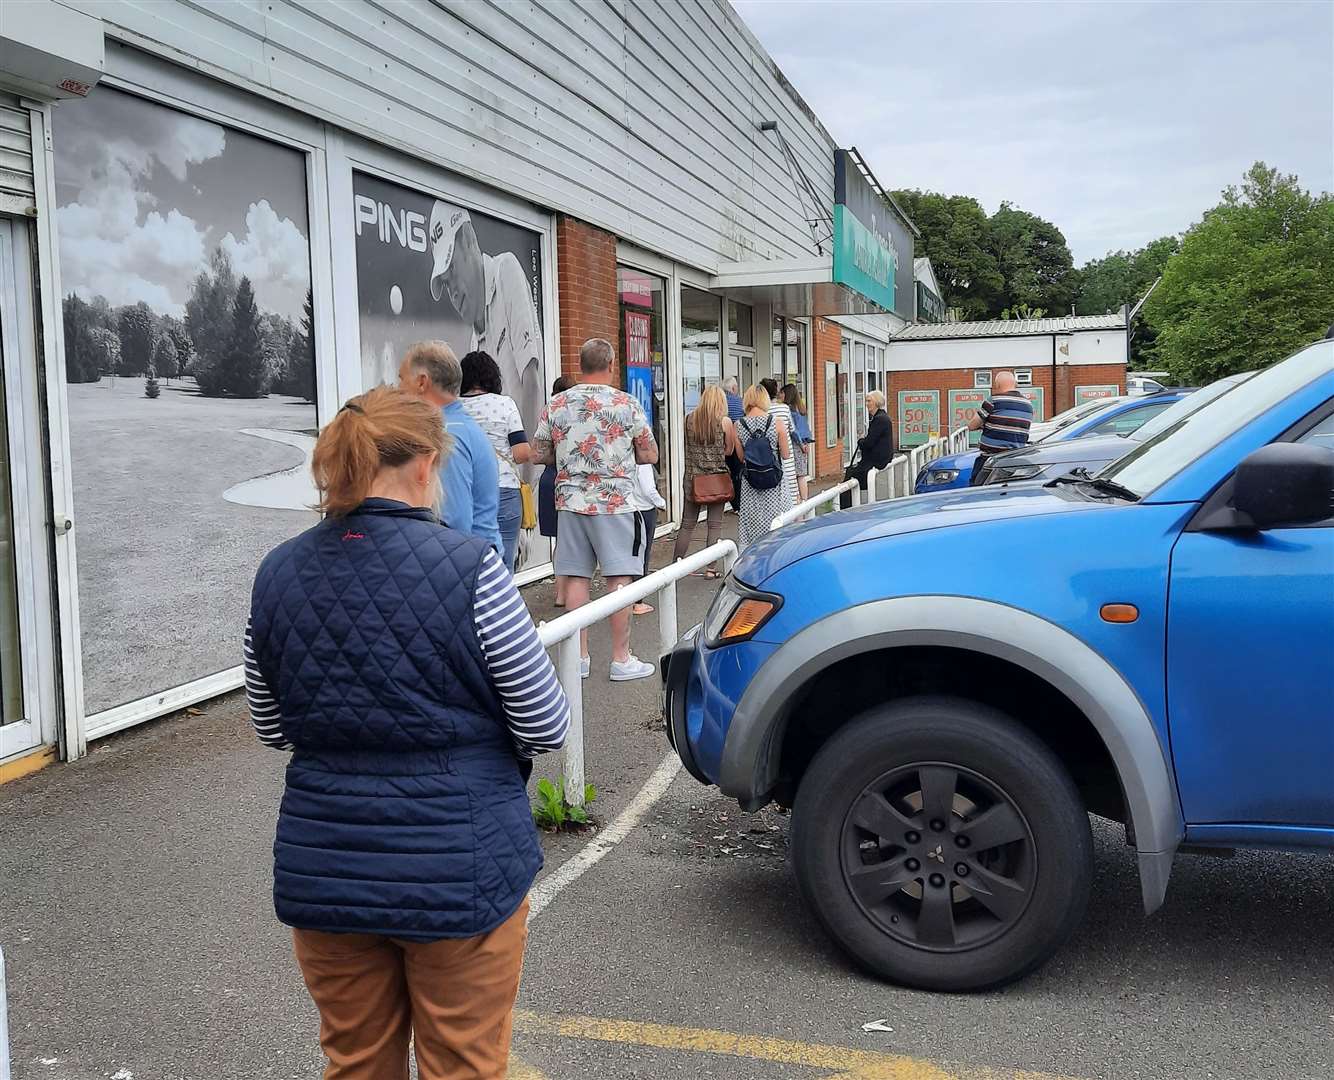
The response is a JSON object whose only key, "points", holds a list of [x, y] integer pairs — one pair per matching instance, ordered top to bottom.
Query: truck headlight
{"points": [[737, 613]]}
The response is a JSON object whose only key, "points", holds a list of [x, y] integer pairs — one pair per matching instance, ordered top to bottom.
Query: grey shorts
{"points": [[585, 542]]}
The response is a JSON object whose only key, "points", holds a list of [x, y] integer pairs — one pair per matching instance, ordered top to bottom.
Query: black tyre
{"points": [[942, 845]]}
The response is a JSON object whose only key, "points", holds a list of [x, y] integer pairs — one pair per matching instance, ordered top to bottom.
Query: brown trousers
{"points": [[453, 998]]}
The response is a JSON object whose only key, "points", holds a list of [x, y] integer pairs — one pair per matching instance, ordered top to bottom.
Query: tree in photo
{"points": [[1253, 281], [208, 318], [136, 327], [106, 345], [81, 346], [165, 358], [247, 362], [298, 378], [151, 387]]}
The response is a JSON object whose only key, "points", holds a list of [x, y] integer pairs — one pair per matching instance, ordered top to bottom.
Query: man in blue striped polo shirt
{"points": [[1004, 420]]}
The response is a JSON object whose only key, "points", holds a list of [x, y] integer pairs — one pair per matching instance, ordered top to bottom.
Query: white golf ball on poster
{"points": [[396, 300]]}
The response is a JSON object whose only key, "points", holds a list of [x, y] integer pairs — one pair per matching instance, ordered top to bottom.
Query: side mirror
{"points": [[1285, 484]]}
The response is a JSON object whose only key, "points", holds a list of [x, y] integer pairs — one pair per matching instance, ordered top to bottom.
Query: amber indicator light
{"points": [[1119, 613], [746, 618]]}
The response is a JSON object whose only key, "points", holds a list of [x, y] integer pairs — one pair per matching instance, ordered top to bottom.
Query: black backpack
{"points": [[759, 462]]}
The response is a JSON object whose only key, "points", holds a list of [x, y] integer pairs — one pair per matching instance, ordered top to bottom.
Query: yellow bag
{"points": [[528, 519]]}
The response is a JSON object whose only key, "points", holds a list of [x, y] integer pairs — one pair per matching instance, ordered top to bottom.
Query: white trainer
{"points": [[630, 669]]}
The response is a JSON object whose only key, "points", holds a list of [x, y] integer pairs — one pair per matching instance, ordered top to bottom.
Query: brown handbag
{"points": [[709, 488]]}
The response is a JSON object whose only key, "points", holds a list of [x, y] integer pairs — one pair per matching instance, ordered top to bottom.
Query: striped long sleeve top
{"points": [[536, 711]]}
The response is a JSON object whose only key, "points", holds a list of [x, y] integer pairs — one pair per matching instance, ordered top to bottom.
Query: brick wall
{"points": [[586, 285], [826, 347], [1068, 377]]}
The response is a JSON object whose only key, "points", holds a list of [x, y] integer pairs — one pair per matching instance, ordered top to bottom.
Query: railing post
{"points": [[870, 485], [857, 495], [729, 560], [667, 617], [571, 681], [4, 1022]]}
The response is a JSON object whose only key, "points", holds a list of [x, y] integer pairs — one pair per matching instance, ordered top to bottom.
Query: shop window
{"points": [[431, 268], [642, 307], [740, 325], [701, 347], [190, 362], [981, 380], [859, 386]]}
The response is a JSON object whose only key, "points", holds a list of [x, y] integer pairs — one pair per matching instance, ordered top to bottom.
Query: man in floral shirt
{"points": [[596, 435]]}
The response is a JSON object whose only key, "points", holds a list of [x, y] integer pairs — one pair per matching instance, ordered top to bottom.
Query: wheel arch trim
{"points": [[749, 766]]}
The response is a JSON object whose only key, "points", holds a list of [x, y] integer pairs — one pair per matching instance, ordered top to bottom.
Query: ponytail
{"points": [[382, 428]]}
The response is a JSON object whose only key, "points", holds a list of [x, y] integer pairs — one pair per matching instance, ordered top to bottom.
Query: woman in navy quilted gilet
{"points": [[394, 658]]}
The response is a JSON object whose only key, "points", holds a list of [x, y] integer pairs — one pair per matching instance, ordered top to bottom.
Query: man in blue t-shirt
{"points": [[1004, 420], [470, 476]]}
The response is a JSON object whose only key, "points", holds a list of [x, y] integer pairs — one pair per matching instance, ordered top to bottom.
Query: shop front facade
{"points": [[223, 227]]}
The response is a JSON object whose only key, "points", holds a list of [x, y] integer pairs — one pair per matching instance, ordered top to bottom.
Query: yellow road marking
{"points": [[844, 1063]]}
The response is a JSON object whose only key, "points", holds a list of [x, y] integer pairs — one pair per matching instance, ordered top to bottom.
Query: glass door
{"points": [[21, 499]]}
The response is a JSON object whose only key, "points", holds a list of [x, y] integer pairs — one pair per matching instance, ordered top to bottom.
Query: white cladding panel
{"points": [[639, 116], [937, 354]]}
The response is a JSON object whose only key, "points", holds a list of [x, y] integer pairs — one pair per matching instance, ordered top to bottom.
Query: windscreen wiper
{"points": [[1081, 475]]}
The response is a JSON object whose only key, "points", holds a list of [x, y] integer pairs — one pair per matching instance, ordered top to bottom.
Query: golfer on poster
{"points": [[491, 294]]}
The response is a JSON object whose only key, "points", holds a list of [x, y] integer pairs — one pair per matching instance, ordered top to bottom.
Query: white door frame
{"points": [[23, 406]]}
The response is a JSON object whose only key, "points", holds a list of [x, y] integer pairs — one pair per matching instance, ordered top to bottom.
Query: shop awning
{"points": [[800, 287]]}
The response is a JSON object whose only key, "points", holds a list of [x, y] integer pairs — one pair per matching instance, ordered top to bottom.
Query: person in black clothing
{"points": [[875, 449]]}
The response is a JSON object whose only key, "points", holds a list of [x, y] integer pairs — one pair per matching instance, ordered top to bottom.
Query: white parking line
{"points": [[574, 868]]}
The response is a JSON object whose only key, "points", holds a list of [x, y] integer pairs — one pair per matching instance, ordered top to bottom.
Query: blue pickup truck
{"points": [[944, 687]]}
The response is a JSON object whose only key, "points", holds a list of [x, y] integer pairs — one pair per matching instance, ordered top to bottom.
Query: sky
{"points": [[1119, 122], [144, 193]]}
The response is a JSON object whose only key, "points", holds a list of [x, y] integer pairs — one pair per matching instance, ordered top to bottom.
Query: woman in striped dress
{"points": [[779, 410], [759, 506]]}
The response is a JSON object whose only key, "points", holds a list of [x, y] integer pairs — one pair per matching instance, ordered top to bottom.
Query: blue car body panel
{"points": [[1231, 656]]}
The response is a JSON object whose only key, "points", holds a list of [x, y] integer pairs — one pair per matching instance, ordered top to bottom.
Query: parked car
{"points": [[1142, 384], [1120, 414], [1092, 451], [942, 719]]}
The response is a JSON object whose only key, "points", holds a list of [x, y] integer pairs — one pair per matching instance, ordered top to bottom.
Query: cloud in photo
{"points": [[146, 192], [274, 255]]}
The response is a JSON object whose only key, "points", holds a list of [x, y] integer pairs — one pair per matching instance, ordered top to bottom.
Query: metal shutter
{"points": [[16, 179]]}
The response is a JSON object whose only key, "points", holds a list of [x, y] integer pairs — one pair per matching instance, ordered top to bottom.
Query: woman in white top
{"points": [[779, 410], [497, 415], [647, 502]]}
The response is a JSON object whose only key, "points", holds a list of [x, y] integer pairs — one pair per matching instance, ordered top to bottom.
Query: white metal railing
{"points": [[563, 634], [4, 1022]]}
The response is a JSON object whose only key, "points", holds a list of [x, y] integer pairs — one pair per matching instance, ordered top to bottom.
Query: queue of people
{"points": [[389, 651]]}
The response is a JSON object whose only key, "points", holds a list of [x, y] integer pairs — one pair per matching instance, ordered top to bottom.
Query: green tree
{"points": [[954, 238], [1033, 259], [1122, 279], [1253, 281], [208, 319], [136, 327], [81, 350], [248, 359], [151, 387]]}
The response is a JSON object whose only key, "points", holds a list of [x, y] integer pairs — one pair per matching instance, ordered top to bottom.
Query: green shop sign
{"points": [[872, 245], [1094, 393], [1038, 396], [919, 416]]}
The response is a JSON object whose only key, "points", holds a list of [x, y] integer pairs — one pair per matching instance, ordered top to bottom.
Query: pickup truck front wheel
{"points": [[942, 844]]}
